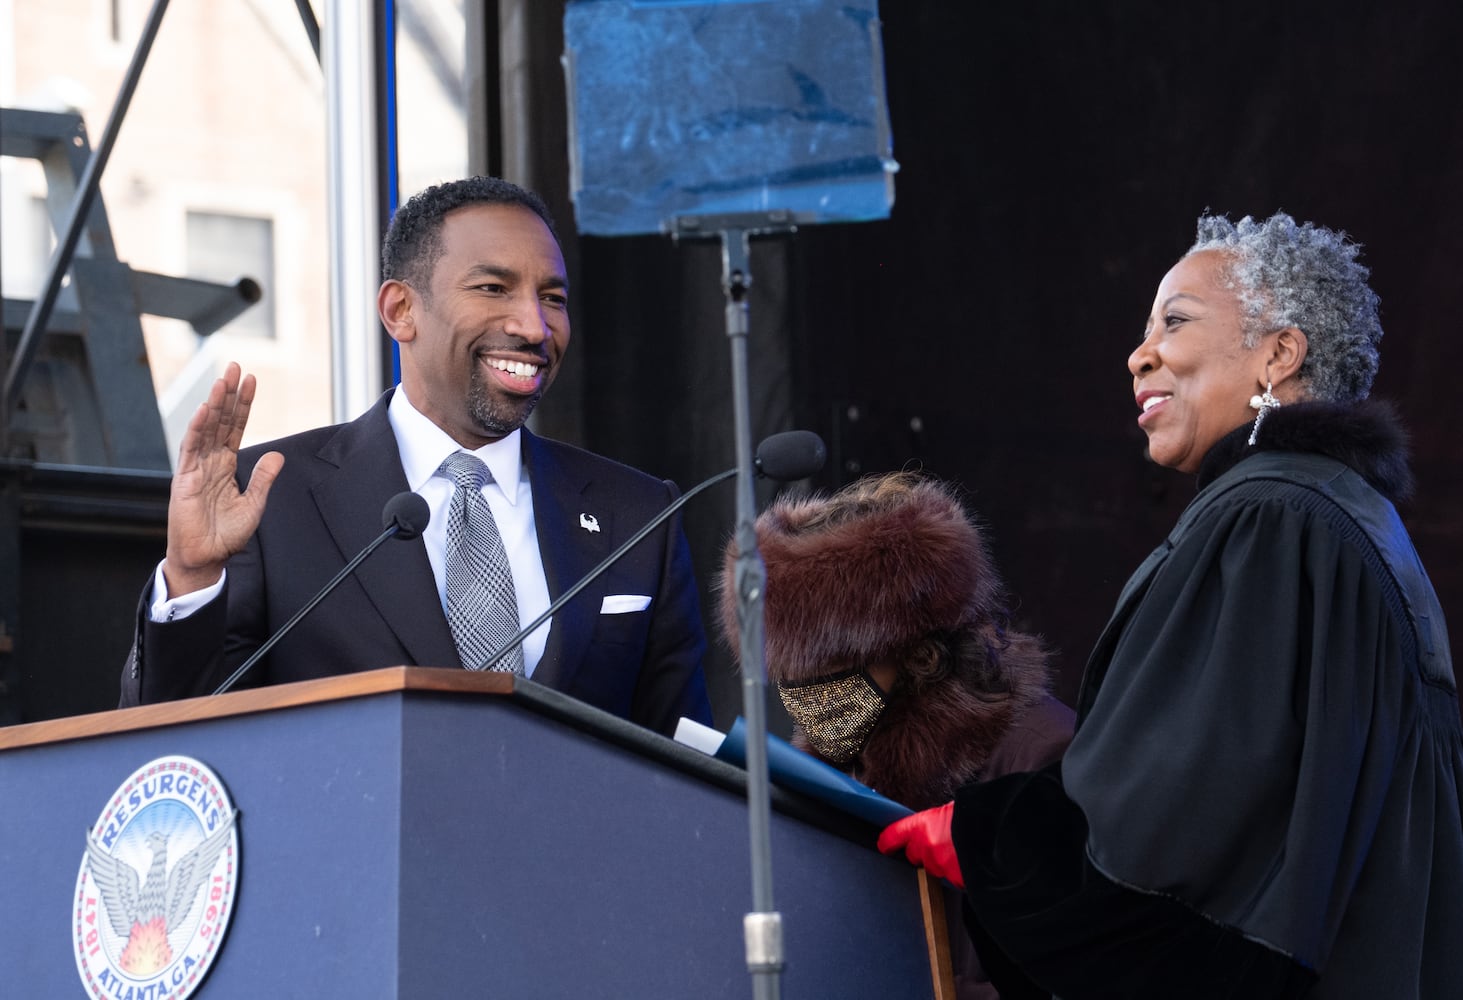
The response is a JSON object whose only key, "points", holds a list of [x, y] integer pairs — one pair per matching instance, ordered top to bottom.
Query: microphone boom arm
{"points": [[604, 564], [346, 571]]}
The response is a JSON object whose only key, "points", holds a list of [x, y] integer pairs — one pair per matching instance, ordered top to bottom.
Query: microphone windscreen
{"points": [[791, 455], [409, 512]]}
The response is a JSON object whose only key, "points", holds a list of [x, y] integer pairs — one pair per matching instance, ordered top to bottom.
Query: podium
{"points": [[415, 832]]}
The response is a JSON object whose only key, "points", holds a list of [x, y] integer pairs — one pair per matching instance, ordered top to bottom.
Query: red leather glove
{"points": [[925, 840]]}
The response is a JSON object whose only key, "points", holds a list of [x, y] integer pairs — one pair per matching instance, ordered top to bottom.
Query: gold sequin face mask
{"points": [[837, 713]]}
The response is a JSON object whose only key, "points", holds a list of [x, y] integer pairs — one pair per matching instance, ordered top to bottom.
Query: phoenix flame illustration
{"points": [[142, 910]]}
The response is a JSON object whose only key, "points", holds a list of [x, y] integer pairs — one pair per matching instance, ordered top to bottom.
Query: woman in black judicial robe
{"points": [[1262, 798]]}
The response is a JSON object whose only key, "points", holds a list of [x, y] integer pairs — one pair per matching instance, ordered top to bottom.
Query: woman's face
{"points": [[1192, 375]]}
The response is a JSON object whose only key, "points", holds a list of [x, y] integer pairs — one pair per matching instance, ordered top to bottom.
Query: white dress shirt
{"points": [[423, 446]]}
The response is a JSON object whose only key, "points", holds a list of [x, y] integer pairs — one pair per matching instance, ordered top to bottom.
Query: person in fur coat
{"points": [[887, 638]]}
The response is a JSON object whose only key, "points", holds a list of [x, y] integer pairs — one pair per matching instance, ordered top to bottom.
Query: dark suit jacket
{"points": [[326, 507]]}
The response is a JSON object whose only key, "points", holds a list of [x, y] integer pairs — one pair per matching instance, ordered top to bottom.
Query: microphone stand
{"points": [[780, 470], [605, 564], [284, 630], [762, 928]]}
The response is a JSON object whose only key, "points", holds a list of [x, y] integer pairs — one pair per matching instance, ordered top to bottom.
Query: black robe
{"points": [[1263, 795]]}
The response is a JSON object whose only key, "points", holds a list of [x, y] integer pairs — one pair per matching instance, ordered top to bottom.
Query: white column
{"points": [[347, 43]]}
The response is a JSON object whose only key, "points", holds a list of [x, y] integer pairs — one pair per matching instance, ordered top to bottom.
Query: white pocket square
{"points": [[619, 604]]}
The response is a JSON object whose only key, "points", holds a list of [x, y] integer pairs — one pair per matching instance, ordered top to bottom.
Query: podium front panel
{"points": [[424, 844]]}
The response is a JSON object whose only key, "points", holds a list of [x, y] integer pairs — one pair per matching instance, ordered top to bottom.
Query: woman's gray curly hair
{"points": [[1302, 275]]}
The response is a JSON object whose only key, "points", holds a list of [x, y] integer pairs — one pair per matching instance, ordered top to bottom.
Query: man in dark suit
{"points": [[475, 294]]}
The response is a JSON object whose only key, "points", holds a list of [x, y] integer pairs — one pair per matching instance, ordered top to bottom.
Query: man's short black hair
{"points": [[413, 242]]}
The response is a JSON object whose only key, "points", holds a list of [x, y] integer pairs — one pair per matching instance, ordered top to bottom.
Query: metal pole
{"points": [[312, 26], [349, 42], [90, 183], [762, 928]]}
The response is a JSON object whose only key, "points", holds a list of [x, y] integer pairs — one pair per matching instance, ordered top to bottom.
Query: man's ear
{"points": [[395, 301], [1287, 354]]}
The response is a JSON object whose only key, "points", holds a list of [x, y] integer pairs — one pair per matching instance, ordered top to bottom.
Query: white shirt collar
{"points": [[423, 447]]}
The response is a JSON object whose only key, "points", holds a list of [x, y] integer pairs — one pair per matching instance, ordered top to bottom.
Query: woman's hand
{"points": [[925, 840]]}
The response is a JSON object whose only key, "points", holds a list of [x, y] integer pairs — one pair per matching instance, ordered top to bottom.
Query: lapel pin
{"points": [[588, 522]]}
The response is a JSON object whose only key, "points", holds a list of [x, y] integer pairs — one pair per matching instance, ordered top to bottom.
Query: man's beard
{"points": [[496, 414]]}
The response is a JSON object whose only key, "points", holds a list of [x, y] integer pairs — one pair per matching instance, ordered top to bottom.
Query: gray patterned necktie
{"points": [[481, 607]]}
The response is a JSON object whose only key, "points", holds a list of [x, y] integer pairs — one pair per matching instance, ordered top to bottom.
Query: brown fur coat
{"points": [[893, 570]]}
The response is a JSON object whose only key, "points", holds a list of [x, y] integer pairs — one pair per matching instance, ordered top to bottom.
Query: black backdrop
{"points": [[1054, 158]]}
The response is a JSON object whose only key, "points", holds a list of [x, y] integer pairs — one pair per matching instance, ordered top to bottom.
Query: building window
{"points": [[125, 19], [44, 239], [225, 248]]}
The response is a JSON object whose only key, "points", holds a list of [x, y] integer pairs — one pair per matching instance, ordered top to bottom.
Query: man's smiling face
{"points": [[481, 344]]}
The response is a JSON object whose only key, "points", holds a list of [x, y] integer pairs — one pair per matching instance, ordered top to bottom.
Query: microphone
{"points": [[789, 456], [785, 457], [404, 516]]}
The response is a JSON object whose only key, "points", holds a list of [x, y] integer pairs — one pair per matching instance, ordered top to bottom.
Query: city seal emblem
{"points": [[157, 883]]}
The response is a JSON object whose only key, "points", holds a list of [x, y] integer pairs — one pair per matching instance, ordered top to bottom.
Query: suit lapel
{"points": [[560, 496], [397, 577]]}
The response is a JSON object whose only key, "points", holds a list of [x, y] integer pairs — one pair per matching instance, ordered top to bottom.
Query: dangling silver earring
{"points": [[1264, 403]]}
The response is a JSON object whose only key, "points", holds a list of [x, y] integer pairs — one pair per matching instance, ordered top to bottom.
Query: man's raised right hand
{"points": [[209, 519]]}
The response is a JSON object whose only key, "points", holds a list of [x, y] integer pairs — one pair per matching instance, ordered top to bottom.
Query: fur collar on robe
{"points": [[1367, 437], [909, 581]]}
